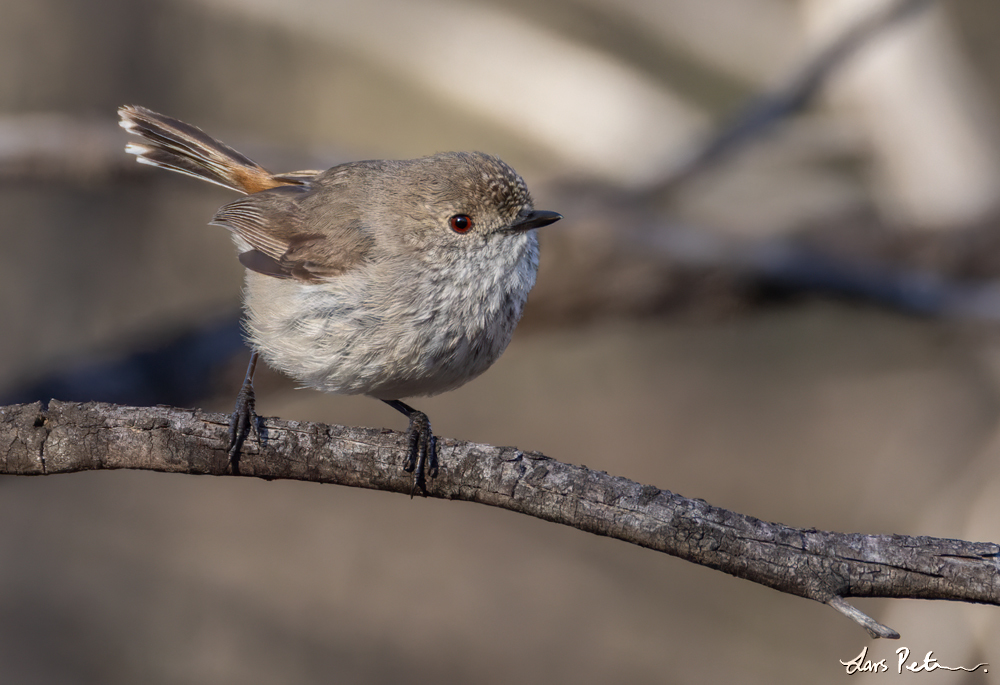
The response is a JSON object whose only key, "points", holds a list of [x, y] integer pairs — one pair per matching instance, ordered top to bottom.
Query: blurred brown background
{"points": [[812, 411]]}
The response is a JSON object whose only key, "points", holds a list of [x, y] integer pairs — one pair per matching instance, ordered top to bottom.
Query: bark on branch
{"points": [[824, 566]]}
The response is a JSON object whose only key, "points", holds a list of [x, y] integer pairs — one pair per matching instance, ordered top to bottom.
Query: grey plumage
{"points": [[390, 278]]}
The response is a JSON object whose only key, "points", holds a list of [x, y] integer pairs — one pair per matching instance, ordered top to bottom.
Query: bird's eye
{"points": [[460, 223]]}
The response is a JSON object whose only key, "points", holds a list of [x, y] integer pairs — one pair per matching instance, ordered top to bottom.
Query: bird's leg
{"points": [[244, 418], [422, 454]]}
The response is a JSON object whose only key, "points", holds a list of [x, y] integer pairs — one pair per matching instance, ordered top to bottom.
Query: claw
{"points": [[244, 418], [421, 457]]}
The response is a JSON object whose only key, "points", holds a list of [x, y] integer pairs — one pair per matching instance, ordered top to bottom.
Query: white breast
{"points": [[394, 332]]}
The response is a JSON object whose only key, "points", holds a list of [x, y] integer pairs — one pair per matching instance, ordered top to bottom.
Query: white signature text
{"points": [[862, 664]]}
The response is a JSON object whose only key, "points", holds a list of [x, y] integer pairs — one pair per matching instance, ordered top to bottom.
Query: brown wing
{"points": [[296, 235]]}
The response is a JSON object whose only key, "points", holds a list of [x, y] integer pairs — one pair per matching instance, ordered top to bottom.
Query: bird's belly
{"points": [[326, 339]]}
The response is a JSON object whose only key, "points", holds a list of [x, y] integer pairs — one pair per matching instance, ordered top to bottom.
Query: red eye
{"points": [[460, 223]]}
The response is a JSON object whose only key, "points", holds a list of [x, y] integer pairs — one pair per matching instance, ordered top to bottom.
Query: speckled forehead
{"points": [[504, 187]]}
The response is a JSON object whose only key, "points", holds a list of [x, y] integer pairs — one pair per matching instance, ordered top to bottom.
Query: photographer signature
{"points": [[862, 664]]}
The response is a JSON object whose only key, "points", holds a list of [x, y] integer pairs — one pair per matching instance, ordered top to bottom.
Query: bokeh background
{"points": [[804, 331]]}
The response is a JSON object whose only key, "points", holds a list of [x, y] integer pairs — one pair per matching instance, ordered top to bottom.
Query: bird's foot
{"points": [[242, 422], [422, 457]]}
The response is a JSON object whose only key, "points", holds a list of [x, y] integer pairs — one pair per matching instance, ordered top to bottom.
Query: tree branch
{"points": [[797, 92], [827, 567]]}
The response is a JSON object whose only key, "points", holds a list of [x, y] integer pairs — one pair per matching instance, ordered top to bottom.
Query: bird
{"points": [[387, 278]]}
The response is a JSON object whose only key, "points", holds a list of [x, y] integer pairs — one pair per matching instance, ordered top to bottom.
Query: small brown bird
{"points": [[388, 278]]}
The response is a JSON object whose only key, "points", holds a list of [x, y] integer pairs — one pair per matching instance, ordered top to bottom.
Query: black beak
{"points": [[535, 219]]}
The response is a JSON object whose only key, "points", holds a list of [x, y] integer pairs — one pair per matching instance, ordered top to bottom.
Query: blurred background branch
{"points": [[798, 92]]}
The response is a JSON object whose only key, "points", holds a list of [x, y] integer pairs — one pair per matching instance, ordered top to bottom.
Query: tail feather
{"points": [[186, 149]]}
